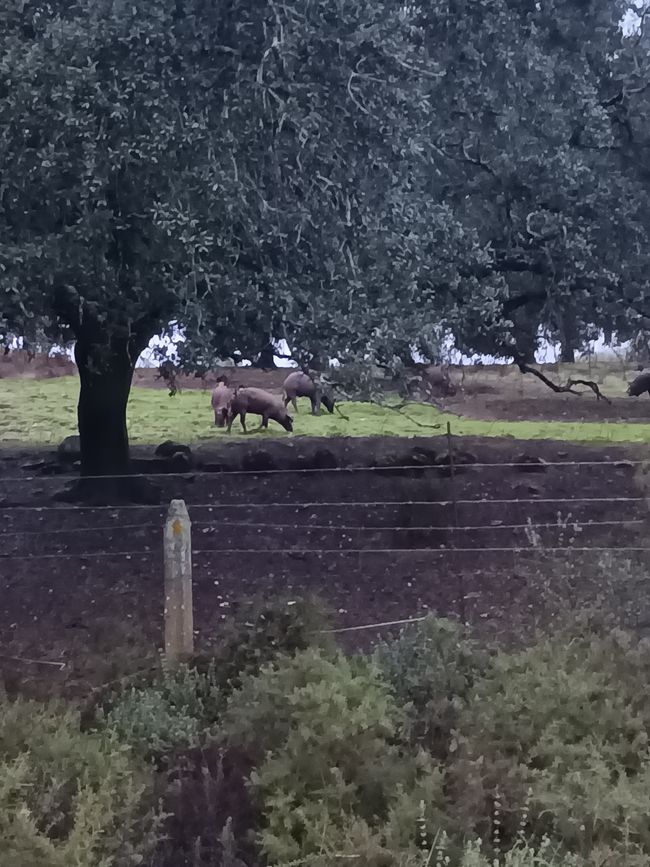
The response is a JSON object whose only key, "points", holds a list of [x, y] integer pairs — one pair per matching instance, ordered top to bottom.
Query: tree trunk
{"points": [[568, 338], [567, 353], [265, 360], [105, 373]]}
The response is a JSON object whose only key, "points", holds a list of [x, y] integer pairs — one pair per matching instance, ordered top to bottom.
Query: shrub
{"points": [[269, 629], [432, 668], [178, 709], [176, 712], [569, 720], [326, 726], [68, 797], [366, 848]]}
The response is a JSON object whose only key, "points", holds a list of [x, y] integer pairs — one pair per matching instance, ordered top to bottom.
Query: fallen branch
{"points": [[593, 386], [568, 387], [558, 389], [400, 406], [395, 407]]}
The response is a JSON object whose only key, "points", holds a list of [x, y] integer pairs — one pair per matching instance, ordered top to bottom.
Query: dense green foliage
{"points": [[432, 671], [178, 709], [176, 712], [552, 740], [435, 747], [67, 797]]}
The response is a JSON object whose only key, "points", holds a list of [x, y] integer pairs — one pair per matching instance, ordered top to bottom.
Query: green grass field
{"points": [[44, 411]]}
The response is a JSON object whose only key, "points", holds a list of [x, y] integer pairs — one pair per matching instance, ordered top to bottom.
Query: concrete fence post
{"points": [[179, 619]]}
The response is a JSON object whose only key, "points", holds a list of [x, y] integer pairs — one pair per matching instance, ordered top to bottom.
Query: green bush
{"points": [[256, 637], [432, 668], [176, 712], [566, 720], [324, 728], [69, 798], [366, 848]]}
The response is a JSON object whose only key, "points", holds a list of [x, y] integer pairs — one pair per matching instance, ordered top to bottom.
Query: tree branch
{"points": [[593, 386], [563, 389]]}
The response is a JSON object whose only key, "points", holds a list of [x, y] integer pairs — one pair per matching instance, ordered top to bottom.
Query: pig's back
{"points": [[299, 384], [221, 396], [257, 399]]}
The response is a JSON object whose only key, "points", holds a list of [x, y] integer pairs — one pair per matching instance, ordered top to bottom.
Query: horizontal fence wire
{"points": [[620, 463], [320, 504], [211, 525], [531, 549]]}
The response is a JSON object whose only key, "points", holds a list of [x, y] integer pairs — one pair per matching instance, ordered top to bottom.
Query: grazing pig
{"points": [[167, 372], [437, 379], [299, 384], [639, 385], [221, 399], [258, 402]]}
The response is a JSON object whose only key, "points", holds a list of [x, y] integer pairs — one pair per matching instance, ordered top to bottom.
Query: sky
{"points": [[547, 352]]}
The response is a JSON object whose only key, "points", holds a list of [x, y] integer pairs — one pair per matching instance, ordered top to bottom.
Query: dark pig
{"points": [[167, 372], [438, 380], [299, 384], [639, 385], [222, 396], [258, 402]]}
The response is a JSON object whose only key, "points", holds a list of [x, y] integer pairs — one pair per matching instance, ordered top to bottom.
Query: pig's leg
{"points": [[294, 403], [242, 418], [260, 426]]}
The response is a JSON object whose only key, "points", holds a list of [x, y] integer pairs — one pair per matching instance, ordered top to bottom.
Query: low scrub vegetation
{"points": [[435, 749], [69, 797]]}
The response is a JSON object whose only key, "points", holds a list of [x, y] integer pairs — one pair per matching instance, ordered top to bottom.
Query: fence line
{"points": [[621, 463], [330, 504], [559, 525], [72, 530], [542, 549], [178, 557]]}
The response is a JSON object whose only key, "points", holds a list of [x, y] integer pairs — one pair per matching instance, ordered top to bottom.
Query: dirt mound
{"points": [[18, 365], [272, 380]]}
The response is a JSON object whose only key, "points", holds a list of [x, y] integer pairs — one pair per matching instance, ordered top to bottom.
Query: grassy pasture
{"points": [[42, 412]]}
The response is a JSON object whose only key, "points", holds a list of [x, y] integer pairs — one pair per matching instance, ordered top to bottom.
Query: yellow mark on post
{"points": [[177, 527]]}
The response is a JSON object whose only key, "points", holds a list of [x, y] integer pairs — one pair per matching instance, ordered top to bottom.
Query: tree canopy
{"points": [[354, 177]]}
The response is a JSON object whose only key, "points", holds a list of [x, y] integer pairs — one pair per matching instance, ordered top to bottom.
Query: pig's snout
{"points": [[288, 424]]}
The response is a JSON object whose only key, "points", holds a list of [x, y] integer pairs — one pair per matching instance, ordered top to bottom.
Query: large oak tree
{"points": [[232, 162]]}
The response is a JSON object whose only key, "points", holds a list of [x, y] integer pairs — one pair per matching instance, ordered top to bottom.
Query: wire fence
{"points": [[435, 466], [311, 504], [375, 528], [529, 528], [329, 551]]}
